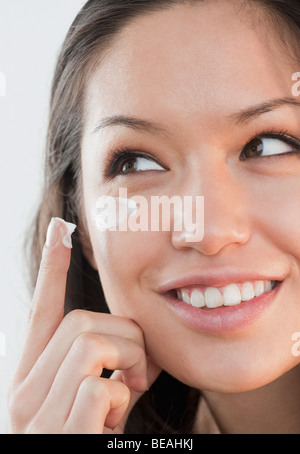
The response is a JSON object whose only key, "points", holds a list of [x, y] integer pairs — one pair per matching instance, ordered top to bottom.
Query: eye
{"points": [[270, 146], [126, 162], [139, 164]]}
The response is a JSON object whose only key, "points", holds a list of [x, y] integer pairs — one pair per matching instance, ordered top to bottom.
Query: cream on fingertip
{"points": [[70, 228], [53, 233]]}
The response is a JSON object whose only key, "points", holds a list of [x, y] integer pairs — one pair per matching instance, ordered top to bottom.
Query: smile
{"points": [[229, 295], [222, 303]]}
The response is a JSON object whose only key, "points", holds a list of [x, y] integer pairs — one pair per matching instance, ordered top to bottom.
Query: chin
{"points": [[233, 376]]}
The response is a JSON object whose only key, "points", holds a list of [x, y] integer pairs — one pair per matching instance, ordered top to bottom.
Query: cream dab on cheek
{"points": [[112, 212]]}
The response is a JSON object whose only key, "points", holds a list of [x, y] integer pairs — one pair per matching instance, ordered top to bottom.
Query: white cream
{"points": [[69, 229]]}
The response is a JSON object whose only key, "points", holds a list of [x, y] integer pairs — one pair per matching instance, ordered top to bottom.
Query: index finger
{"points": [[49, 296]]}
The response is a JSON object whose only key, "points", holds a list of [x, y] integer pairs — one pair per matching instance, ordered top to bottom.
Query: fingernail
{"points": [[56, 226], [52, 233]]}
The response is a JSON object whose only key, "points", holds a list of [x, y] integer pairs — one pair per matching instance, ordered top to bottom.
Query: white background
{"points": [[31, 33]]}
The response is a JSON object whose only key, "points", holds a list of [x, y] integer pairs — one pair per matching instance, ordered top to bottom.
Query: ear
{"points": [[86, 246]]}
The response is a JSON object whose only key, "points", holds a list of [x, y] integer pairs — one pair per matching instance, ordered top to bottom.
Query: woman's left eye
{"points": [[269, 146], [139, 164]]}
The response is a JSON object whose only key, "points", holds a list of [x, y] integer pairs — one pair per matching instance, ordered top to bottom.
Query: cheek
{"points": [[277, 211], [124, 260]]}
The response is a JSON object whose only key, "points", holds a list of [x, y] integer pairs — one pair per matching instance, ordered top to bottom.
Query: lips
{"points": [[216, 278], [222, 301]]}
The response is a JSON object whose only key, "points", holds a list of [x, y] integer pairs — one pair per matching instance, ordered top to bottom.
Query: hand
{"points": [[57, 388]]}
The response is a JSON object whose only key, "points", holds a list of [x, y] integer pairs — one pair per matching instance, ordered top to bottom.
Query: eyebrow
{"points": [[248, 114], [240, 117], [132, 122]]}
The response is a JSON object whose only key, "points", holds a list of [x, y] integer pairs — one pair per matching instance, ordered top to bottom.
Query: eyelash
{"points": [[272, 134], [120, 155]]}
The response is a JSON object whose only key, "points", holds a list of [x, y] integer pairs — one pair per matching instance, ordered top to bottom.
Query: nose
{"points": [[226, 216]]}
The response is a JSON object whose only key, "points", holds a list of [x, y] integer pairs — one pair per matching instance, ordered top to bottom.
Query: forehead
{"points": [[189, 62]]}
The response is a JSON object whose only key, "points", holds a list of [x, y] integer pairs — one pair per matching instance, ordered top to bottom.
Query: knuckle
{"points": [[78, 319], [134, 331], [87, 342], [93, 388], [100, 390]]}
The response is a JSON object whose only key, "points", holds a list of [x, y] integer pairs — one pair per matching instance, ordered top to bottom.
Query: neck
{"points": [[272, 409]]}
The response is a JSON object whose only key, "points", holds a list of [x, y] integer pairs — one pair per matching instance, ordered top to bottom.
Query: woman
{"points": [[165, 98]]}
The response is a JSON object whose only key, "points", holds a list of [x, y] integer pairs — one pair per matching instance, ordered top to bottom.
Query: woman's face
{"points": [[210, 81]]}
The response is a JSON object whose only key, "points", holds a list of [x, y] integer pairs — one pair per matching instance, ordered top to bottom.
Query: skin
{"points": [[193, 77], [57, 387]]}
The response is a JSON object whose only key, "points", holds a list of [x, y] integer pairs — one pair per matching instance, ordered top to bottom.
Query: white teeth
{"points": [[268, 286], [259, 288], [247, 292], [230, 295], [185, 297], [213, 297], [197, 298]]}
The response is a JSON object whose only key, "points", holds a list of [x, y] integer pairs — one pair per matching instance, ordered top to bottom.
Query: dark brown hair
{"points": [[169, 406]]}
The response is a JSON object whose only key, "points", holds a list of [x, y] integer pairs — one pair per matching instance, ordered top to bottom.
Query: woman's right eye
{"points": [[139, 164]]}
